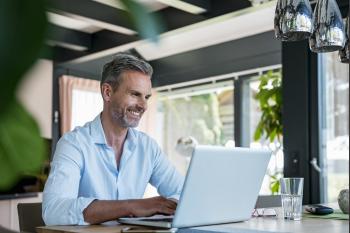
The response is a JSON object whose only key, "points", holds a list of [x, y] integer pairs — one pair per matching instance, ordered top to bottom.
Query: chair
{"points": [[268, 201], [29, 216]]}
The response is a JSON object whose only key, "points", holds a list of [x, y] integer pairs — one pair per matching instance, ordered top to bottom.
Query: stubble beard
{"points": [[121, 118]]}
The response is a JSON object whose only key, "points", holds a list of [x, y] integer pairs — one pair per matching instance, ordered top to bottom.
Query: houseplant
{"points": [[22, 33], [269, 128]]}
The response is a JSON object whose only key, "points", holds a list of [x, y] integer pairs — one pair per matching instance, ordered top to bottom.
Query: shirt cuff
{"points": [[175, 196], [82, 203]]}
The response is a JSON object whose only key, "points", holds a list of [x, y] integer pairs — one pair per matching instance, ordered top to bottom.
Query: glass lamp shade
{"points": [[293, 20], [328, 34], [344, 53]]}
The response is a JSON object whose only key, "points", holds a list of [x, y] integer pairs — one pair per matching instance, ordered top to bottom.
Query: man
{"points": [[100, 171]]}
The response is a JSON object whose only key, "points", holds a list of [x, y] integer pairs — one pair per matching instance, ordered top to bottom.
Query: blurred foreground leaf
{"points": [[147, 24], [22, 33], [22, 149]]}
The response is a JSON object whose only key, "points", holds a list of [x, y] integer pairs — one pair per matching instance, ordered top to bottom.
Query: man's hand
{"points": [[152, 206]]}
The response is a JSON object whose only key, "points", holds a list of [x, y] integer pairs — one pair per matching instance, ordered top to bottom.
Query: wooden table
{"points": [[270, 224], [306, 225], [110, 228]]}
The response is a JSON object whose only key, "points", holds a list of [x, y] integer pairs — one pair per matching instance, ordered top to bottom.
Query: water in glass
{"points": [[292, 206]]}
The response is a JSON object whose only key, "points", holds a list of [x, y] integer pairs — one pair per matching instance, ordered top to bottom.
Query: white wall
{"points": [[35, 93], [8, 211]]}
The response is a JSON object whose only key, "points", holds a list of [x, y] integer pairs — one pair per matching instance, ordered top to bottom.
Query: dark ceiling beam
{"points": [[205, 4], [225, 6], [95, 13], [174, 18], [68, 38], [106, 39], [100, 41], [60, 54]]}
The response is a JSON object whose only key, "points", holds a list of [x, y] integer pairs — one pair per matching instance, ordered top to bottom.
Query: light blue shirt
{"points": [[84, 169]]}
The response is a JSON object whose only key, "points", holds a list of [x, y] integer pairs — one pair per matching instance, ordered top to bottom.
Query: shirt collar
{"points": [[96, 131], [99, 137]]}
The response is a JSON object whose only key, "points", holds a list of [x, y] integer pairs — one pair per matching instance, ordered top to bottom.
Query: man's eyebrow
{"points": [[134, 91], [139, 93]]}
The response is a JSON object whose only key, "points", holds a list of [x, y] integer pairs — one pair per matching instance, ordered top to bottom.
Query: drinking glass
{"points": [[292, 197]]}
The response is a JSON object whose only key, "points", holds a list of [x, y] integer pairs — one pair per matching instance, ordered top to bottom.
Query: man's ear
{"points": [[106, 91]]}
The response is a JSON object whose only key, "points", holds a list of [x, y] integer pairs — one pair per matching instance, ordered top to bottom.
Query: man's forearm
{"points": [[101, 211]]}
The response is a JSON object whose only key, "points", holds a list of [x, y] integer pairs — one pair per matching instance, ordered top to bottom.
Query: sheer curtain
{"points": [[80, 101]]}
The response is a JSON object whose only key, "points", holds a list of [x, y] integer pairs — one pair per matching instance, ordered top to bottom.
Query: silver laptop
{"points": [[221, 186]]}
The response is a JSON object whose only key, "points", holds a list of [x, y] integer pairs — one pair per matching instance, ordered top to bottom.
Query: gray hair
{"points": [[112, 71]]}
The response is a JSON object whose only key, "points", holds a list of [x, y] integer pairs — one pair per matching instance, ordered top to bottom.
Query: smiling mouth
{"points": [[135, 113]]}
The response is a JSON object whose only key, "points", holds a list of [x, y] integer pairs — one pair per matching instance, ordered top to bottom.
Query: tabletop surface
{"points": [[255, 224]]}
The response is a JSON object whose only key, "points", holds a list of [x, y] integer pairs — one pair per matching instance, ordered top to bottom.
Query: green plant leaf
{"points": [[146, 23], [22, 33], [258, 131], [273, 134], [22, 150], [275, 186]]}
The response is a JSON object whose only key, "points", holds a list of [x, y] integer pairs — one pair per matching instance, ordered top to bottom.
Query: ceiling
{"points": [[83, 30], [85, 34]]}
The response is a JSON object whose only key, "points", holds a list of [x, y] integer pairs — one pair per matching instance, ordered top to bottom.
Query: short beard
{"points": [[122, 120]]}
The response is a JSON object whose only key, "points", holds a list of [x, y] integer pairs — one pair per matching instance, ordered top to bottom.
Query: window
{"points": [[204, 113], [334, 118]]}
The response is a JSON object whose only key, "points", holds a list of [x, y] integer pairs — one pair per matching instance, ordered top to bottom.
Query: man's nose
{"points": [[143, 103]]}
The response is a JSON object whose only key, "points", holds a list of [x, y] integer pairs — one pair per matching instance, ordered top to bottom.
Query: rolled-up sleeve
{"points": [[165, 177], [61, 204]]}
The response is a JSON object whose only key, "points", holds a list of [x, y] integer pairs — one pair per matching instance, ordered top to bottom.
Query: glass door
{"points": [[334, 125]]}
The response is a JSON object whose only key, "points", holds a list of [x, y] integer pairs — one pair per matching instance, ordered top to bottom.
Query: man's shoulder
{"points": [[78, 133], [75, 144]]}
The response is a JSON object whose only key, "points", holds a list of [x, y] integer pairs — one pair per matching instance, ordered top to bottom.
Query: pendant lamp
{"points": [[293, 20], [328, 29]]}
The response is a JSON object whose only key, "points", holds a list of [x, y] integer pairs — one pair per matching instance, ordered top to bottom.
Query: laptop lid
{"points": [[221, 186]]}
